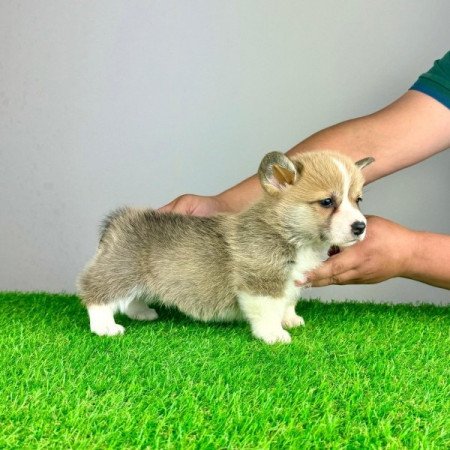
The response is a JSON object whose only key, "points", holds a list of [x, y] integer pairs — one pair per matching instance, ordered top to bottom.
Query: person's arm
{"points": [[404, 133], [389, 251], [430, 262]]}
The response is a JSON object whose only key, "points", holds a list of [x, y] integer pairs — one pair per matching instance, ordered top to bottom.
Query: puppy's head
{"points": [[316, 195]]}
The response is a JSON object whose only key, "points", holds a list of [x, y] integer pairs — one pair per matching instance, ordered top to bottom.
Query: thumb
{"points": [[182, 205]]}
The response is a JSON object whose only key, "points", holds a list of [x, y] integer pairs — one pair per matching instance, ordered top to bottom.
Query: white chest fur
{"points": [[308, 258], [271, 317]]}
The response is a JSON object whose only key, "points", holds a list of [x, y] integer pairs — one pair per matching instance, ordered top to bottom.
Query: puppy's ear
{"points": [[364, 162], [277, 172]]}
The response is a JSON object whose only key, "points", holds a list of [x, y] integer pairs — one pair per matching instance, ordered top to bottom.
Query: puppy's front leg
{"points": [[265, 315], [290, 318]]}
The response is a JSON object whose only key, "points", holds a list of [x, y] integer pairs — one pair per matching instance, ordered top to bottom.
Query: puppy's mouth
{"points": [[349, 243], [335, 249]]}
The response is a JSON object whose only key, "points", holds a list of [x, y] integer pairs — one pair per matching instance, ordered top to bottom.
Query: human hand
{"points": [[196, 205], [385, 253]]}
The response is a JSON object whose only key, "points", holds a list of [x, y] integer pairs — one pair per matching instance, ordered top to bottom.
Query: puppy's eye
{"points": [[359, 200], [327, 202]]}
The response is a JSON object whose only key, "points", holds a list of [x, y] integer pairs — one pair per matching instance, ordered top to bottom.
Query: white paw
{"points": [[144, 314], [293, 321], [111, 329], [273, 336]]}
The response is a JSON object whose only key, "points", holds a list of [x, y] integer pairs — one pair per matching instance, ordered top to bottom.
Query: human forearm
{"points": [[406, 132], [430, 259]]}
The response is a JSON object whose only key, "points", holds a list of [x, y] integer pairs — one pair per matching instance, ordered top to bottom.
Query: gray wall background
{"points": [[106, 103]]}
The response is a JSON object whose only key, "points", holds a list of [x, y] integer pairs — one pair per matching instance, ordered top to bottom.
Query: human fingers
{"points": [[182, 205], [196, 205], [167, 208], [339, 269], [348, 277]]}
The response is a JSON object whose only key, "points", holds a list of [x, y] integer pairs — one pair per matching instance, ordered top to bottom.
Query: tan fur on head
{"points": [[320, 175], [229, 267]]}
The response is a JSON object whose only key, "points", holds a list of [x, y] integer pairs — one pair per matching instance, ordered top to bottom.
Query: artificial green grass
{"points": [[356, 376]]}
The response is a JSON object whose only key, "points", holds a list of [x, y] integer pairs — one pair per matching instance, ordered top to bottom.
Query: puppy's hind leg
{"points": [[137, 309], [101, 318]]}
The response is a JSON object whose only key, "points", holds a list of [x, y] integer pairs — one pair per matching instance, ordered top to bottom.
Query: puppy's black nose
{"points": [[358, 228]]}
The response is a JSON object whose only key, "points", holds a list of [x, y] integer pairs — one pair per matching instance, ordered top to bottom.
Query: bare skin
{"points": [[404, 133]]}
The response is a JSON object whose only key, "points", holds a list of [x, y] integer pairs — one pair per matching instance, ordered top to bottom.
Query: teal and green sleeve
{"points": [[436, 82]]}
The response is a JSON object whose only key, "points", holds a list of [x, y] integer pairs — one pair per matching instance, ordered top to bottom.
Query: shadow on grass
{"points": [[66, 310]]}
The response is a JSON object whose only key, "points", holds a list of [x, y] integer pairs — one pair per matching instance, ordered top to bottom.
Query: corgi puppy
{"points": [[244, 266]]}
